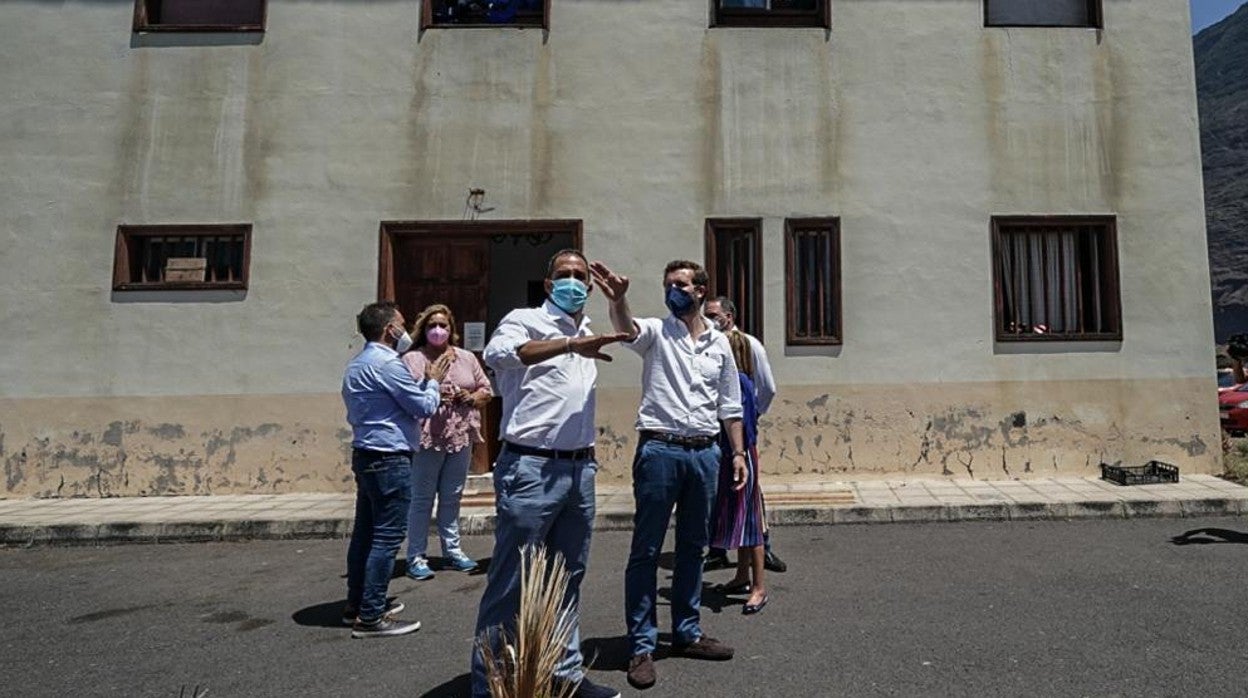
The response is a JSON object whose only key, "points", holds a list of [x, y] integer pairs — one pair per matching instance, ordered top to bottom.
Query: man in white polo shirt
{"points": [[689, 386]]}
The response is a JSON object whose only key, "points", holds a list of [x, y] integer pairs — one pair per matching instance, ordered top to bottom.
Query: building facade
{"points": [[969, 232]]}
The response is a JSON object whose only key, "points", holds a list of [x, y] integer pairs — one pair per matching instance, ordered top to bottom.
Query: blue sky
{"points": [[1206, 12]]}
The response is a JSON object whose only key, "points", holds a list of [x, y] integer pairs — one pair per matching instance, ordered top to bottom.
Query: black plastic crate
{"points": [[1150, 473]]}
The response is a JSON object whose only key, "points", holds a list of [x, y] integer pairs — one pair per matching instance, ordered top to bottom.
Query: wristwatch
{"points": [[738, 453]]}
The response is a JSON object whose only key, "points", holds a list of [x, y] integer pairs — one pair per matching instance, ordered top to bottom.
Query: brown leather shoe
{"points": [[704, 648], [641, 671]]}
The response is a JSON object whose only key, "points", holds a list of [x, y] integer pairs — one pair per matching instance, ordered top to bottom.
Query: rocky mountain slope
{"points": [[1222, 89]]}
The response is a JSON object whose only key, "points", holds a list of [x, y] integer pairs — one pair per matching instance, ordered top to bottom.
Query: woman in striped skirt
{"points": [[737, 522]]}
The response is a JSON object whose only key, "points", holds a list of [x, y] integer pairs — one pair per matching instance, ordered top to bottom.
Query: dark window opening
{"points": [[484, 13], [772, 13], [1042, 13], [199, 15], [182, 257], [812, 260], [734, 261], [1056, 279]]}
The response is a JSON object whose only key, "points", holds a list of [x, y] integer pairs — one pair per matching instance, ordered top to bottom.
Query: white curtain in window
{"points": [[1043, 278]]}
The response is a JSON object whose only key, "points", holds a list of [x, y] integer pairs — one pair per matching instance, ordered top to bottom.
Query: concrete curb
{"points": [[476, 523]]}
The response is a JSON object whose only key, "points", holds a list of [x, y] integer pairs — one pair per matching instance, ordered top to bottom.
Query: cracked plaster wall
{"points": [[267, 444]]}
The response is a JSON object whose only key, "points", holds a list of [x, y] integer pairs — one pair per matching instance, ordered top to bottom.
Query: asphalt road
{"points": [[1002, 609]]}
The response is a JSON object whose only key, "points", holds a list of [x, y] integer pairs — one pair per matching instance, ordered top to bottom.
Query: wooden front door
{"points": [[456, 273]]}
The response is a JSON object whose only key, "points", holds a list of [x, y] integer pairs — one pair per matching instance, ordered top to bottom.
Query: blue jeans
{"points": [[440, 474], [666, 476], [383, 493], [539, 501]]}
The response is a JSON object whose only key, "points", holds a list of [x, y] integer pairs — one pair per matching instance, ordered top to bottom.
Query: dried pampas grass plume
{"points": [[522, 664]]}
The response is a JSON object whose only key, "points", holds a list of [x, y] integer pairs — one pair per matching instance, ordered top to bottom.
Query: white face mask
{"points": [[404, 342]]}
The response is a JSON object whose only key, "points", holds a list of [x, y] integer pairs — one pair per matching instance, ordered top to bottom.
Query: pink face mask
{"points": [[437, 336]]}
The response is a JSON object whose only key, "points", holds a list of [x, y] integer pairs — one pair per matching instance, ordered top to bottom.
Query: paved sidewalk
{"points": [[228, 517]]}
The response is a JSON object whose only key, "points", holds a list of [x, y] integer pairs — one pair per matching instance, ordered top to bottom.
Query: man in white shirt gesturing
{"points": [[543, 359], [689, 386]]}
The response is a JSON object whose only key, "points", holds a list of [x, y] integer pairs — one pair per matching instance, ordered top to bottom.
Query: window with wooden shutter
{"points": [[734, 261], [812, 280]]}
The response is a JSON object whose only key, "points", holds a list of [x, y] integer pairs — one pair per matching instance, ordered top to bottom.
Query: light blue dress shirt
{"points": [[384, 402]]}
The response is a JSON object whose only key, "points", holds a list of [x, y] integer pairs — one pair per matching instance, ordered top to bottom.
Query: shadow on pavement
{"points": [[1205, 536], [713, 600], [322, 615], [325, 615], [606, 653], [613, 653], [458, 687]]}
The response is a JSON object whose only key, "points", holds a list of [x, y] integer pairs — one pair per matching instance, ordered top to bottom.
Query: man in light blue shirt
{"points": [[384, 402]]}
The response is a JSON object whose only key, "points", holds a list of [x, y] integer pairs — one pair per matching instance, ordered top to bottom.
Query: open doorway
{"points": [[481, 269]]}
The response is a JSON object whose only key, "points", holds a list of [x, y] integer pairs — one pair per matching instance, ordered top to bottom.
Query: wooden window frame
{"points": [[821, 16], [1096, 18], [427, 20], [142, 25], [714, 226], [791, 227], [124, 252], [1109, 273]]}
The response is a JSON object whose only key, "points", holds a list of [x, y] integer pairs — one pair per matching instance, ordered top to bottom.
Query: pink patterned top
{"points": [[455, 425]]}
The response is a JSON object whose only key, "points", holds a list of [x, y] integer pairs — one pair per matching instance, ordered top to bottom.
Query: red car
{"points": [[1233, 409]]}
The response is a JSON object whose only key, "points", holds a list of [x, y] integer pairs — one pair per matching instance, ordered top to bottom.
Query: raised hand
{"points": [[613, 285], [591, 346], [437, 370]]}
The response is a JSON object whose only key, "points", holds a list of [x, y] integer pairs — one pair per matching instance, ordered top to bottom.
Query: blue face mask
{"points": [[569, 295], [679, 302]]}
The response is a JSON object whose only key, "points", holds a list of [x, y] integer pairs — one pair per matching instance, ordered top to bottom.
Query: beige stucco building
{"points": [[913, 145]]}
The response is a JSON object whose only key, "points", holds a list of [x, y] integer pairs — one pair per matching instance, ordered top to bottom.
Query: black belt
{"points": [[676, 439], [380, 454], [578, 454]]}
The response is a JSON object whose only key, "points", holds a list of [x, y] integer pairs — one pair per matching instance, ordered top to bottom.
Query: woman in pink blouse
{"points": [[440, 467]]}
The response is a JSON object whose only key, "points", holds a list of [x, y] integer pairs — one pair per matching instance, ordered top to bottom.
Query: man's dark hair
{"points": [[565, 252], [700, 277], [726, 305], [373, 319]]}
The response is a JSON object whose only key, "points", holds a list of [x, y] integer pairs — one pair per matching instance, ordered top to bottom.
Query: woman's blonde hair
{"points": [[422, 320], [741, 352]]}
